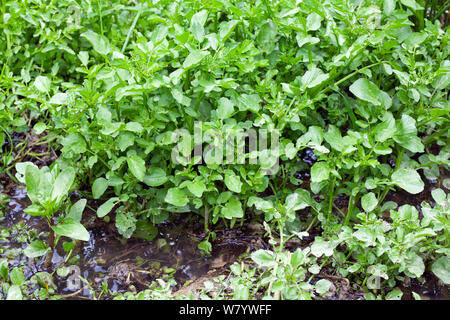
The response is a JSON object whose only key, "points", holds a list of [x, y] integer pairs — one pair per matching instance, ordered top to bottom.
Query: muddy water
{"points": [[107, 257], [428, 289]]}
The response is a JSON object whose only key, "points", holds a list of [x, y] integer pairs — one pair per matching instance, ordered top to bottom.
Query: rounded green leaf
{"points": [[100, 43], [194, 58], [42, 84], [366, 90], [225, 108], [39, 127], [137, 167], [320, 171], [155, 177], [409, 180], [233, 182], [99, 187], [197, 188], [176, 197], [369, 202], [106, 207], [233, 209], [76, 211], [71, 229], [36, 249], [264, 258], [441, 268], [17, 277], [322, 286], [14, 293]]}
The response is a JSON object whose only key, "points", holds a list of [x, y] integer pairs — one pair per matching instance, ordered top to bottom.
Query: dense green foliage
{"points": [[360, 86]]}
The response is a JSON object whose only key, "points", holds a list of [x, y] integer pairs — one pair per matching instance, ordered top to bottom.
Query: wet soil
{"points": [[107, 257]]}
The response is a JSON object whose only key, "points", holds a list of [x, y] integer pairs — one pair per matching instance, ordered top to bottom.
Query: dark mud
{"points": [[134, 262], [429, 288]]}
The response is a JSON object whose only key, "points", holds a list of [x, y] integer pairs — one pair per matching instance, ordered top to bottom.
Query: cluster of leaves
{"points": [[271, 66], [48, 190], [390, 249], [16, 287]]}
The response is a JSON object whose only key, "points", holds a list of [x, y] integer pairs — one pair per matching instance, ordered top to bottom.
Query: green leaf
{"points": [[412, 4], [388, 7], [198, 20], [226, 28], [266, 38], [100, 43], [84, 57], [194, 58], [313, 78], [42, 84], [368, 91], [60, 98], [249, 102], [225, 109], [39, 127], [134, 127], [386, 129], [406, 134], [334, 138], [126, 139], [73, 143], [290, 150], [382, 150], [137, 167], [320, 171], [155, 177], [33, 178], [408, 179], [232, 181], [62, 184], [99, 187], [197, 188], [439, 196], [176, 197], [298, 200], [369, 202], [259, 203], [106, 207], [233, 209], [35, 210], [76, 211], [126, 224], [72, 229], [145, 230], [321, 247], [36, 249], [264, 258], [415, 265], [441, 268], [4, 270], [63, 271], [17, 277], [322, 286], [14, 293], [395, 294], [416, 296]]}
